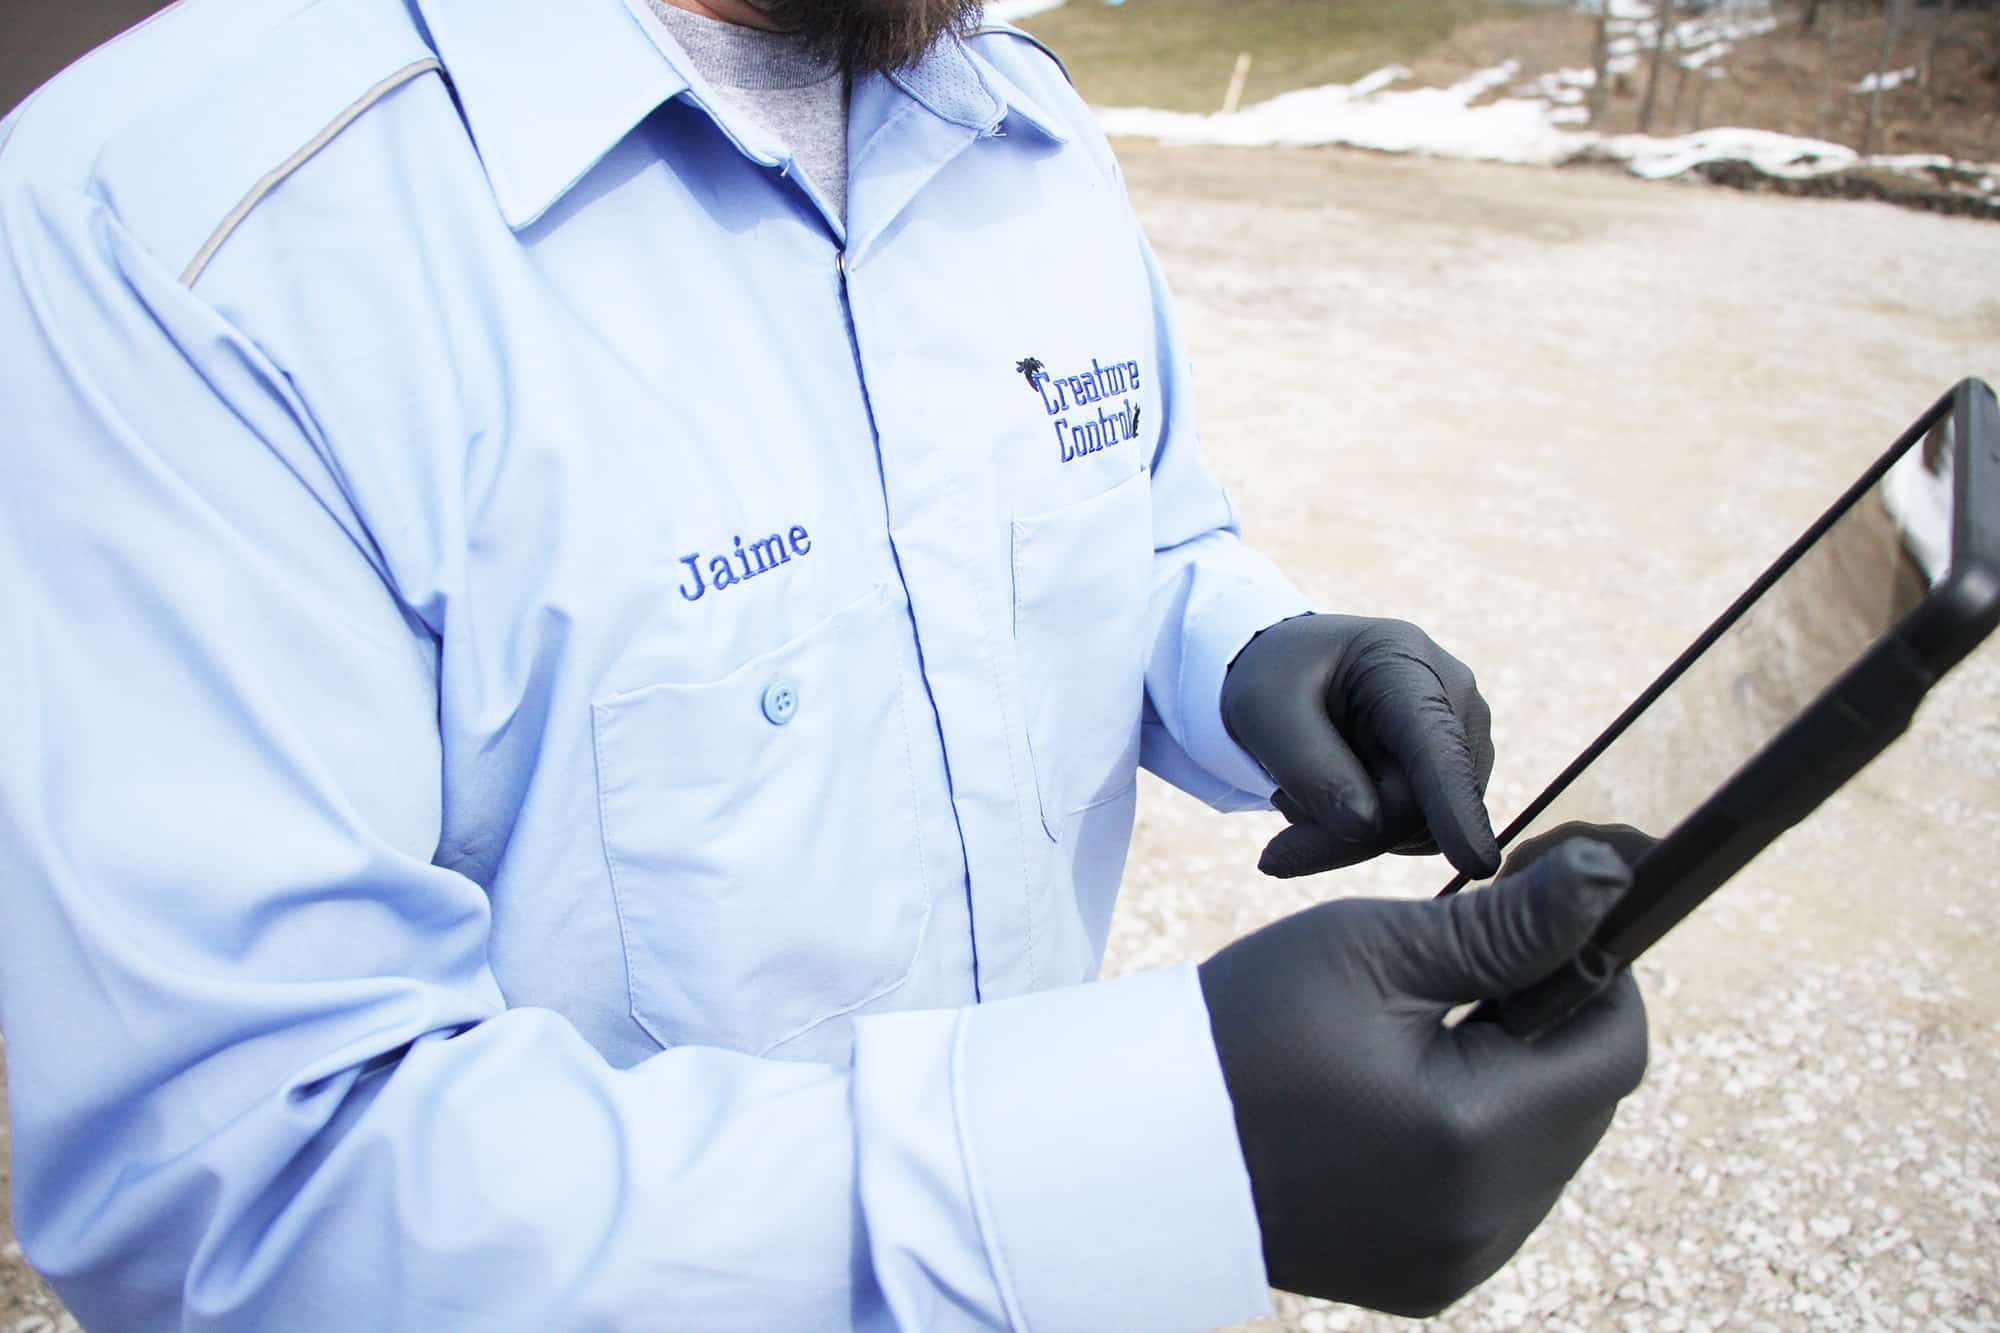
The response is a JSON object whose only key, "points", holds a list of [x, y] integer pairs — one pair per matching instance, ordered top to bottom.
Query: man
{"points": [[585, 586]]}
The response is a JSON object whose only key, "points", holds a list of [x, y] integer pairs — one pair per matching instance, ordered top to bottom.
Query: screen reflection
{"points": [[1864, 574]]}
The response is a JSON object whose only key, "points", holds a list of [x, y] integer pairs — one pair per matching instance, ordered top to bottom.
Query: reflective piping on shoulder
{"points": [[1009, 30], [277, 174]]}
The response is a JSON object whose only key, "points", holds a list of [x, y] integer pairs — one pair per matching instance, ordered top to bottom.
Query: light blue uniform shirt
{"points": [[568, 723]]}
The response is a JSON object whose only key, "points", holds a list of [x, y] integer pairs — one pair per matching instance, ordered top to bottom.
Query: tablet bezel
{"points": [[1848, 724]]}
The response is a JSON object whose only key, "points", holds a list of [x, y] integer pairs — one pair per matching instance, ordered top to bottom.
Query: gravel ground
{"points": [[1559, 418]]}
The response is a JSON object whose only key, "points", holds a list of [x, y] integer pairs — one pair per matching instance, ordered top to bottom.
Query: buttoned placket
{"points": [[962, 622], [959, 626]]}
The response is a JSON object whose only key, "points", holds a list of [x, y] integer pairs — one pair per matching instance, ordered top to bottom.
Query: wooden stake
{"points": [[1236, 82]]}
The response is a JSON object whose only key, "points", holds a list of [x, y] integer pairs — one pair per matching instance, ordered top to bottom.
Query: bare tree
{"points": [[1892, 21], [1663, 29], [1829, 37], [1931, 47], [1600, 64], [1681, 75], [1709, 76]]}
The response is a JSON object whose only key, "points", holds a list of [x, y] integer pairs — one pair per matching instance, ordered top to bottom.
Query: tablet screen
{"points": [[1856, 582]]}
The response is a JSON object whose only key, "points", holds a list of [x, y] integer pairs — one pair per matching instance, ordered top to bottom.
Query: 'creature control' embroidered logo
{"points": [[1063, 395]]}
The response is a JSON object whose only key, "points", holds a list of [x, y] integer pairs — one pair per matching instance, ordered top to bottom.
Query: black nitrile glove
{"points": [[1378, 739], [1630, 843], [1397, 1163]]}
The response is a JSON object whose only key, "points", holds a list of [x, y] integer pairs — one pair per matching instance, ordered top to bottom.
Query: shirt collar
{"points": [[954, 83], [549, 88], [1020, 106]]}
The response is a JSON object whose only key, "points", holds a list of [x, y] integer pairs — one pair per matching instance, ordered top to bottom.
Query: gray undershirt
{"points": [[793, 100]]}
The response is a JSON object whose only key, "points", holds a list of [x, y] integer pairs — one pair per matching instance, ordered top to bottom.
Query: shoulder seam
{"points": [[1009, 30], [276, 176]]}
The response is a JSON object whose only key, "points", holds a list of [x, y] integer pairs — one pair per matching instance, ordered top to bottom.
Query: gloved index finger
{"points": [[1402, 707]]}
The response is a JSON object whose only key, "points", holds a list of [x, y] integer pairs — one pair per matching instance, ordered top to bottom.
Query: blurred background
{"points": [[39, 37], [1548, 326]]}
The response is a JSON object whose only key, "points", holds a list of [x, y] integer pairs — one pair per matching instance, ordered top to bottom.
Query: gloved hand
{"points": [[1378, 739], [1630, 843], [1397, 1163]]}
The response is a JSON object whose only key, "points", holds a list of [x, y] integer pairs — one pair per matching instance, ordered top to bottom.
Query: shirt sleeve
{"points": [[1211, 594], [263, 1075]]}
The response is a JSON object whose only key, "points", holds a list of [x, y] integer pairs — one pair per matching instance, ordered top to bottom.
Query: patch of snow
{"points": [[1013, 11], [1695, 43], [1698, 44], [1885, 80], [1369, 85], [1476, 86], [1565, 87], [1368, 114], [1540, 123], [1532, 126], [1771, 153], [1914, 162]]}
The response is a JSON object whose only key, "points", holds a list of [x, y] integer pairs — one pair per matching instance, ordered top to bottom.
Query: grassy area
{"points": [[1178, 54]]}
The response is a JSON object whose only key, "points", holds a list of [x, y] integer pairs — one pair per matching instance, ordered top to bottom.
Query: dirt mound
{"points": [[1941, 192]]}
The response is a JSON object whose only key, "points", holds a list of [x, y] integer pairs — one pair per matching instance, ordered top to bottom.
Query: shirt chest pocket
{"points": [[1082, 580], [761, 835]]}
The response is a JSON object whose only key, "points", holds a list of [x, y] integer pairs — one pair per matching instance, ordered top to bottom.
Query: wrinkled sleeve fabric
{"points": [[1211, 594], [263, 1076]]}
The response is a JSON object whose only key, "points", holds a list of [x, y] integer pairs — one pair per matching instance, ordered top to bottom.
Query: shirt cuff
{"points": [[1218, 627], [1103, 1161]]}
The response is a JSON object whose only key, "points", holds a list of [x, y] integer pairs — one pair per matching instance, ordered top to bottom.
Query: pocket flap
{"points": [[753, 903]]}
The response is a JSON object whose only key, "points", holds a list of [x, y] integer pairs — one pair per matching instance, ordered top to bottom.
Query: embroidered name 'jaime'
{"points": [[1066, 397], [746, 562]]}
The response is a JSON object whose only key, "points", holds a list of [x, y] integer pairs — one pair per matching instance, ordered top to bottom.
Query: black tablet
{"points": [[1809, 675]]}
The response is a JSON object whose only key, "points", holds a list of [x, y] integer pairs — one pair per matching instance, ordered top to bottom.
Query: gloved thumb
{"points": [[1498, 941]]}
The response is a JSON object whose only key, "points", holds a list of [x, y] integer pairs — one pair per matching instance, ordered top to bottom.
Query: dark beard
{"points": [[872, 36]]}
